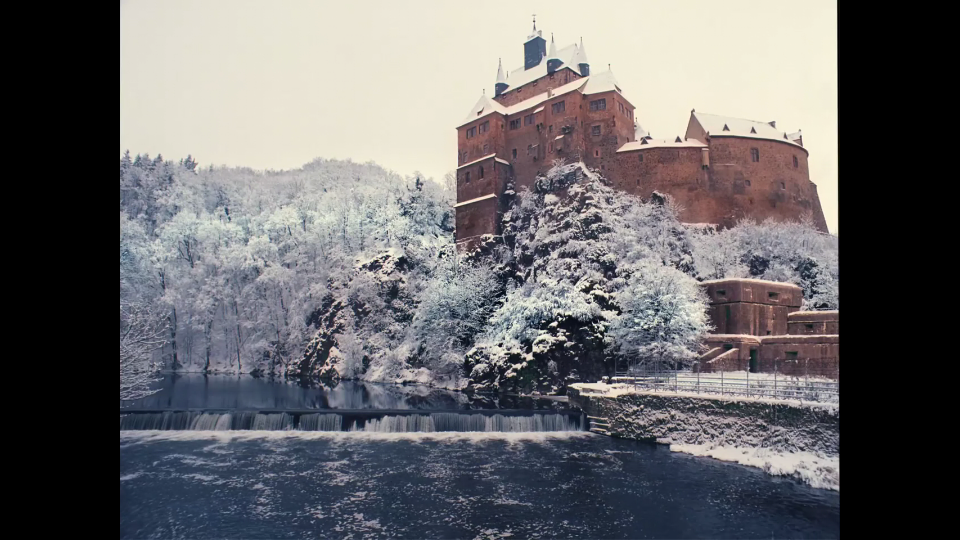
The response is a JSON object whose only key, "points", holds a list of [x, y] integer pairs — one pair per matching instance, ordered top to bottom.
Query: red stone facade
{"points": [[744, 170], [758, 327]]}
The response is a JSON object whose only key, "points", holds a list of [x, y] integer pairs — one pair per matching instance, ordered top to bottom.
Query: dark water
{"points": [[194, 391], [192, 484]]}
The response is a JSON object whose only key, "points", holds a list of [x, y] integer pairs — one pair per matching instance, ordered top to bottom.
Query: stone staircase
{"points": [[599, 425]]}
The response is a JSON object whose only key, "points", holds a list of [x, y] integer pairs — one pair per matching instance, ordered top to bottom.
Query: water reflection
{"points": [[198, 391]]}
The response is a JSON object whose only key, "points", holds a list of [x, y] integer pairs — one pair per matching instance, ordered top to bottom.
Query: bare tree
{"points": [[143, 330]]}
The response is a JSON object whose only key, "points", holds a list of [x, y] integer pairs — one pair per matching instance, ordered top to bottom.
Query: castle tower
{"points": [[534, 49], [580, 60], [553, 61], [501, 80]]}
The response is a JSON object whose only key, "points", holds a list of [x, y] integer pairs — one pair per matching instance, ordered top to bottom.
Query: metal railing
{"points": [[820, 385]]}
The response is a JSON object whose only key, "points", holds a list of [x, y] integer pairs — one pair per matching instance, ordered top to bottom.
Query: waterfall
{"points": [[358, 421]]}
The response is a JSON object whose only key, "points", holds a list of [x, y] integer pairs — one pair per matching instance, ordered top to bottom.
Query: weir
{"points": [[364, 420]]}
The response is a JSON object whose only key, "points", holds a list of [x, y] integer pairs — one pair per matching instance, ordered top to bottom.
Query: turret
{"points": [[534, 49], [581, 60], [553, 61], [501, 85]]}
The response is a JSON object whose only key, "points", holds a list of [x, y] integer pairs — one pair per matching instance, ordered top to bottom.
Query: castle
{"points": [[720, 171]]}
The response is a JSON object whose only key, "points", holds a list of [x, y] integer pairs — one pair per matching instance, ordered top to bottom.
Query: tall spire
{"points": [[553, 48], [580, 60], [501, 85]]}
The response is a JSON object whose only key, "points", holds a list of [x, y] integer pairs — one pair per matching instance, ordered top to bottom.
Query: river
{"points": [[515, 484]]}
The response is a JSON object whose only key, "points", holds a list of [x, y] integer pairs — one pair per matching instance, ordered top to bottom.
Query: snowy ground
{"points": [[816, 470]]}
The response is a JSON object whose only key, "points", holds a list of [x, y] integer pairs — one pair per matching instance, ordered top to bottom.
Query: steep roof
{"points": [[581, 56], [520, 76], [500, 77], [601, 82], [483, 107], [720, 126]]}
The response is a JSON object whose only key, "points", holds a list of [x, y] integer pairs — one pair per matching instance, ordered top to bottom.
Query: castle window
{"points": [[535, 82], [598, 105], [558, 108], [528, 120], [515, 124], [485, 127], [551, 129], [595, 131], [471, 133], [550, 148], [486, 149], [529, 149], [514, 153], [596, 153], [755, 155], [641, 158], [796, 162], [481, 172], [466, 177], [747, 182], [783, 185]]}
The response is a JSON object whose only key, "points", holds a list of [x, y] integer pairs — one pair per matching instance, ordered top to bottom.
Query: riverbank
{"points": [[786, 438]]}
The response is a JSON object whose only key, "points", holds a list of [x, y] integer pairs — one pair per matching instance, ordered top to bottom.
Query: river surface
{"points": [[303, 484]]}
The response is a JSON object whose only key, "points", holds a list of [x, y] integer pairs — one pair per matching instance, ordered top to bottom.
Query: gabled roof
{"points": [[520, 76], [601, 82], [483, 107], [720, 126]]}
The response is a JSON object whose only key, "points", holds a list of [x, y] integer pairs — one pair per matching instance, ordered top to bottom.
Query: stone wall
{"points": [[741, 422]]}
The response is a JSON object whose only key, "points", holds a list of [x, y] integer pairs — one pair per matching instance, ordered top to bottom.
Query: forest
{"points": [[343, 270]]}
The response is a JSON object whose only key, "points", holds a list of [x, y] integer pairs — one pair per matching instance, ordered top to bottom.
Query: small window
{"points": [[535, 82], [598, 105], [558, 107], [528, 120], [515, 124], [485, 127], [550, 130], [595, 131], [471, 133], [550, 148], [486, 149], [465, 153], [514, 153], [596, 153], [755, 155], [641, 158], [796, 162], [481, 172], [467, 176], [747, 182], [783, 185], [721, 292], [773, 295], [809, 326], [727, 346], [791, 355]]}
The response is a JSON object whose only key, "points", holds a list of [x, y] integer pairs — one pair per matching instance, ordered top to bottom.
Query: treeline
{"points": [[346, 269]]}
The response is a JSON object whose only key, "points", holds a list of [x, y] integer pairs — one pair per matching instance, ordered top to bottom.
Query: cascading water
{"points": [[345, 421]]}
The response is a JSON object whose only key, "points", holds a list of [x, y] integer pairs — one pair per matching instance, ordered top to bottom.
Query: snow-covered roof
{"points": [[553, 50], [581, 56], [521, 76], [500, 77], [601, 82], [483, 107], [538, 110], [721, 126], [638, 131], [796, 137], [643, 144], [488, 156], [478, 199], [749, 280]]}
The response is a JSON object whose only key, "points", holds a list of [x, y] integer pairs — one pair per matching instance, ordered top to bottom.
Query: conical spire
{"points": [[553, 48], [582, 54], [500, 77]]}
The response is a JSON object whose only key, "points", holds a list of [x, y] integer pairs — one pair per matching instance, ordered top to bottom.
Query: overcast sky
{"points": [[273, 85]]}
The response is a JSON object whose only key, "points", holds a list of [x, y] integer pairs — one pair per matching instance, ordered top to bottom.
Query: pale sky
{"points": [[273, 85]]}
